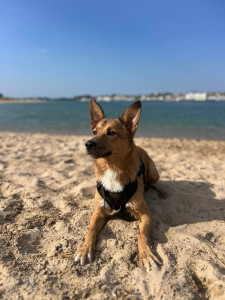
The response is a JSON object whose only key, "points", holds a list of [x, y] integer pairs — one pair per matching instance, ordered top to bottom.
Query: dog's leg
{"points": [[151, 173], [152, 177], [142, 212], [86, 251], [146, 255]]}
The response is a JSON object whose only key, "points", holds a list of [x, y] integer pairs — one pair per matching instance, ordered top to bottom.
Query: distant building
{"points": [[156, 96], [196, 96], [216, 96]]}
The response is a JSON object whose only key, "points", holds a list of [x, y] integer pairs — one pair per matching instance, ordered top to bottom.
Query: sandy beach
{"points": [[47, 184]]}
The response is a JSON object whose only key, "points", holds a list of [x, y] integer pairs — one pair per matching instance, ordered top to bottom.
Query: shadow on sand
{"points": [[187, 202]]}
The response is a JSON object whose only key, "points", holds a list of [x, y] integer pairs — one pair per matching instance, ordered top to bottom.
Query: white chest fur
{"points": [[110, 183]]}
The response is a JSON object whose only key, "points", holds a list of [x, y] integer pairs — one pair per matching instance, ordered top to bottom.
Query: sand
{"points": [[46, 189]]}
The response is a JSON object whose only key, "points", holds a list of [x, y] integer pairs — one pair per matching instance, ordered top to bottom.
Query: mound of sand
{"points": [[46, 190]]}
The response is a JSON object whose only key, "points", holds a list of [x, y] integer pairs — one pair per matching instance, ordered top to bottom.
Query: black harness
{"points": [[117, 201]]}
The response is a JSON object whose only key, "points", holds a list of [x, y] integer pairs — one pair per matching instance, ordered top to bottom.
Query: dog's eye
{"points": [[94, 132], [111, 132]]}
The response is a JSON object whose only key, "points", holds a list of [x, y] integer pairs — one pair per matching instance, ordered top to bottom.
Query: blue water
{"points": [[199, 120]]}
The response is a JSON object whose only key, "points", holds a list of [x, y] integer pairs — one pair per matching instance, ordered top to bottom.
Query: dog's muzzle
{"points": [[90, 145], [95, 150]]}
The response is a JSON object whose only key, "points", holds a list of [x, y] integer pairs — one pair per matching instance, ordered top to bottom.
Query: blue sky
{"points": [[67, 47]]}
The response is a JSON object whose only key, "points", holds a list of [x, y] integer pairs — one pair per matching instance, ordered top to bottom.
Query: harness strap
{"points": [[141, 170], [118, 200]]}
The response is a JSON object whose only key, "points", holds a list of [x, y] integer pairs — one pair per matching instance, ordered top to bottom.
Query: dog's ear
{"points": [[96, 113], [131, 117]]}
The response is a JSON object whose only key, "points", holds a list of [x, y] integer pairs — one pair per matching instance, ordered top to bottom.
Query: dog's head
{"points": [[112, 136]]}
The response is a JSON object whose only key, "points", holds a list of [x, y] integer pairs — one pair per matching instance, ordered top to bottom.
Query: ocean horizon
{"points": [[192, 120]]}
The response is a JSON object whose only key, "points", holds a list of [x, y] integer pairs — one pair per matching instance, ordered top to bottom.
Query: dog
{"points": [[121, 169]]}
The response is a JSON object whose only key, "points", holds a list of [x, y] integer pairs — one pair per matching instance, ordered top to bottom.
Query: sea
{"points": [[191, 120]]}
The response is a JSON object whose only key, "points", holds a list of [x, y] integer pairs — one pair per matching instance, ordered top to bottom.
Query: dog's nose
{"points": [[90, 144]]}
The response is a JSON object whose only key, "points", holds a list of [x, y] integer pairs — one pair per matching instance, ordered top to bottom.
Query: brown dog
{"points": [[121, 170]]}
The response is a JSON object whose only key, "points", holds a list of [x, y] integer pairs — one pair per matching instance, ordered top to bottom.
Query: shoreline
{"points": [[11, 100], [89, 136], [47, 189]]}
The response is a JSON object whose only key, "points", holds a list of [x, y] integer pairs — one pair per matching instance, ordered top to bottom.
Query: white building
{"points": [[196, 96]]}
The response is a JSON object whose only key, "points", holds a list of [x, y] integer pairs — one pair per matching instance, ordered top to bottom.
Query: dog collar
{"points": [[118, 201]]}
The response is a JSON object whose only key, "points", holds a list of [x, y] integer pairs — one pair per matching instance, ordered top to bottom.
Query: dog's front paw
{"points": [[84, 255], [149, 259]]}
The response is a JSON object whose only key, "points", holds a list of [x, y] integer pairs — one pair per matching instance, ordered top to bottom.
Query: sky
{"points": [[64, 48]]}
